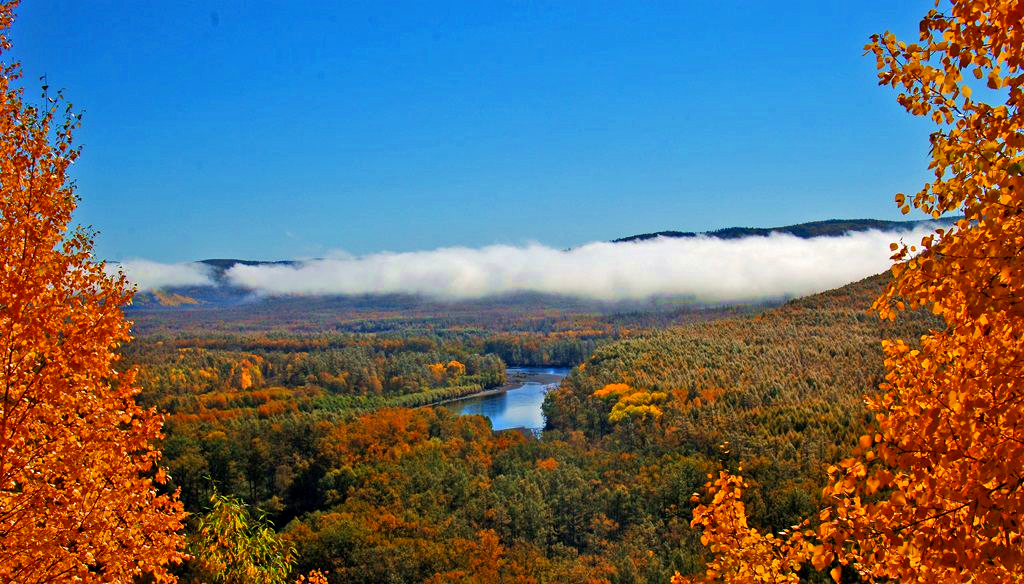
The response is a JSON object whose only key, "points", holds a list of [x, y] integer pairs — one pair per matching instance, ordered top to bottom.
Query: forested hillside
{"points": [[827, 228], [221, 296], [782, 391], [705, 418], [291, 425]]}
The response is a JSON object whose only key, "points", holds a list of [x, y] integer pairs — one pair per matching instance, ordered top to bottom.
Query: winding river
{"points": [[517, 404]]}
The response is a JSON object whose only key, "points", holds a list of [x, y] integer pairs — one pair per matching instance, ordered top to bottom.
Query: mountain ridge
{"points": [[808, 230], [225, 293]]}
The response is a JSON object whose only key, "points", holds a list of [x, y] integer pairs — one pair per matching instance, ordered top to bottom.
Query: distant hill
{"points": [[827, 228], [219, 266], [223, 294], [783, 388]]}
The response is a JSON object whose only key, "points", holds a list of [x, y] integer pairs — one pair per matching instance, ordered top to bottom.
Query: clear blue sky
{"points": [[283, 130]]}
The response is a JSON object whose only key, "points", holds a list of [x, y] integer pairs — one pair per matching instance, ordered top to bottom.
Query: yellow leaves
{"points": [[994, 79], [455, 369], [437, 370], [450, 371], [613, 389], [632, 403], [621, 412], [547, 464], [872, 484], [78, 487], [936, 494], [230, 544], [741, 552], [820, 557], [314, 577], [678, 578]]}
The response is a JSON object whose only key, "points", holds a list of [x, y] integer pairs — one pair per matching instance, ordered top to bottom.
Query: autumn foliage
{"points": [[630, 402], [304, 428], [942, 481], [79, 482], [936, 492], [229, 545], [742, 554]]}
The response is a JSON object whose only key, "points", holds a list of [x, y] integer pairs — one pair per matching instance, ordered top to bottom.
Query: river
{"points": [[519, 404]]}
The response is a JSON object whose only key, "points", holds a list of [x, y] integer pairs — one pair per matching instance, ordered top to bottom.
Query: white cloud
{"points": [[708, 269], [148, 275]]}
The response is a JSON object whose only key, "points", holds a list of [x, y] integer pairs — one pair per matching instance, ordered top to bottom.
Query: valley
{"points": [[511, 293], [516, 405], [304, 415]]}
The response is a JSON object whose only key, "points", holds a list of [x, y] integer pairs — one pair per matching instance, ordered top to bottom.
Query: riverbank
{"points": [[515, 379]]}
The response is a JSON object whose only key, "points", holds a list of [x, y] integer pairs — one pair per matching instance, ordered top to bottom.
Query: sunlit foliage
{"points": [[631, 403], [936, 492], [80, 496], [231, 546], [742, 554]]}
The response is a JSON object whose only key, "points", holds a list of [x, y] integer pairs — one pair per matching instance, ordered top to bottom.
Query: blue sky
{"points": [[289, 129]]}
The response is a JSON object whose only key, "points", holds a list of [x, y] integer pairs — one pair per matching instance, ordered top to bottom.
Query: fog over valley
{"points": [[704, 268]]}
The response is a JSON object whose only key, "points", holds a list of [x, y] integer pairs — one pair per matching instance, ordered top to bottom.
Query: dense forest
{"points": [[827, 228], [315, 431], [871, 433]]}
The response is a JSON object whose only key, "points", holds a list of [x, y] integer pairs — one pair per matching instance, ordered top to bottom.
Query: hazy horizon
{"points": [[247, 131], [708, 269]]}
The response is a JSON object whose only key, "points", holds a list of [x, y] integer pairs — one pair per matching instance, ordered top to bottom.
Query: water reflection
{"points": [[520, 406]]}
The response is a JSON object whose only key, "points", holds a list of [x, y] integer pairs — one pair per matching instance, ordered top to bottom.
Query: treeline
{"points": [[317, 317], [554, 350], [229, 373], [780, 394], [376, 493], [425, 495]]}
